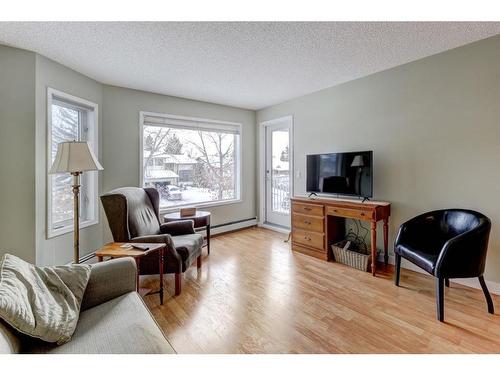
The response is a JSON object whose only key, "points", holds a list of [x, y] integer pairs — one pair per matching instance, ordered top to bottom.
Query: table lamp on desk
{"points": [[358, 163]]}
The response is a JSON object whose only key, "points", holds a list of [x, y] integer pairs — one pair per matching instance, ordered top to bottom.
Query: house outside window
{"points": [[191, 161]]}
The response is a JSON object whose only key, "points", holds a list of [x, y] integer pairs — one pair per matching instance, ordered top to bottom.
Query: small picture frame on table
{"points": [[188, 211]]}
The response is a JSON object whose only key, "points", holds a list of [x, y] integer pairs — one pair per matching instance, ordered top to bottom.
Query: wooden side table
{"points": [[201, 220], [114, 250]]}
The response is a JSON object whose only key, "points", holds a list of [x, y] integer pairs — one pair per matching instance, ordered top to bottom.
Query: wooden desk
{"points": [[317, 223], [114, 250]]}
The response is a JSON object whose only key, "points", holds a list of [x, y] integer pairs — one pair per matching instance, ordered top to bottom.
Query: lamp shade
{"points": [[74, 157], [358, 161]]}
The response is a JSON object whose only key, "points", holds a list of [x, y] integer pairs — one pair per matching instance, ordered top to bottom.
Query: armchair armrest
{"points": [[178, 228], [155, 238], [162, 238], [465, 255], [109, 280]]}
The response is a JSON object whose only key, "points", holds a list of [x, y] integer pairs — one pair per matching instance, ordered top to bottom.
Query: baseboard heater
{"points": [[232, 225], [86, 258]]}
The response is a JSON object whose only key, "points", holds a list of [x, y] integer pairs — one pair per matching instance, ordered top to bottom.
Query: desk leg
{"points": [[208, 238], [386, 240], [374, 246], [100, 259], [138, 264], [161, 274], [178, 283]]}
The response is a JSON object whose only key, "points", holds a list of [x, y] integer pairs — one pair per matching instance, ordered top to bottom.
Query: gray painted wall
{"points": [[24, 79], [433, 125], [434, 128], [121, 142], [17, 152], [59, 250]]}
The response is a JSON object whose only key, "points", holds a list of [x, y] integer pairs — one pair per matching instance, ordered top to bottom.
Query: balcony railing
{"points": [[280, 200]]}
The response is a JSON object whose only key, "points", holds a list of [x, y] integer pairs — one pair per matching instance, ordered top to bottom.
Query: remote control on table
{"points": [[140, 247]]}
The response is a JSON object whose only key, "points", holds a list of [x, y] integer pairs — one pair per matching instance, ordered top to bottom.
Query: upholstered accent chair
{"points": [[133, 216], [447, 244]]}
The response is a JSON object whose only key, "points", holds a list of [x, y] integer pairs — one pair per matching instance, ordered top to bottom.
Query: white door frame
{"points": [[262, 166]]}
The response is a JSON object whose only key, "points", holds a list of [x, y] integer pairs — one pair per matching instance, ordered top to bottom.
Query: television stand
{"points": [[311, 194], [365, 199], [320, 222]]}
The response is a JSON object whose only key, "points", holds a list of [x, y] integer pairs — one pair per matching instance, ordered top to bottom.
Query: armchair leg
{"points": [[198, 262], [397, 272], [447, 282], [178, 283], [440, 298], [489, 301]]}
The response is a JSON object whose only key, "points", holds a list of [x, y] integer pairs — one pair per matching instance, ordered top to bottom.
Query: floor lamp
{"points": [[75, 157]]}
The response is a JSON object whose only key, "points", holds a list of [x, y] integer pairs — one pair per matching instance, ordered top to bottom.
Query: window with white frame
{"points": [[70, 118], [191, 161]]}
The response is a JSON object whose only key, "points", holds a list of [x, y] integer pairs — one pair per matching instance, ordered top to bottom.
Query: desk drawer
{"points": [[308, 209], [351, 213], [312, 223], [311, 239]]}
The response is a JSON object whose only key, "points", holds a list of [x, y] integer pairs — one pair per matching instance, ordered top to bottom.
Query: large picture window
{"points": [[70, 118], [190, 161]]}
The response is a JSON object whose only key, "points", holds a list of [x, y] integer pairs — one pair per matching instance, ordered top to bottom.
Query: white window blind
{"points": [[194, 123]]}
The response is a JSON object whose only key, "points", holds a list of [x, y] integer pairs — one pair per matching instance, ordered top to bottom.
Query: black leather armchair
{"points": [[134, 216], [448, 244]]}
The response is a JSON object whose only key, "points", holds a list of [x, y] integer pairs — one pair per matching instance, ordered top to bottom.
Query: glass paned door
{"points": [[278, 174]]}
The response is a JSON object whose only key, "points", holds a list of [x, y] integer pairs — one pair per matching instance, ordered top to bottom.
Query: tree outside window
{"points": [[189, 165]]}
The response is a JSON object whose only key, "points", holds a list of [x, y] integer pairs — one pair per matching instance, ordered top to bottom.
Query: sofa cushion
{"points": [[188, 242], [189, 248], [421, 258], [123, 325], [9, 339]]}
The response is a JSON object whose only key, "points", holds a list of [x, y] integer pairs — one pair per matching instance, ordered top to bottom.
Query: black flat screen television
{"points": [[345, 173]]}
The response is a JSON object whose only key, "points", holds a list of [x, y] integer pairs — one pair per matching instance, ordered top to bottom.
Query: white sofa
{"points": [[113, 319]]}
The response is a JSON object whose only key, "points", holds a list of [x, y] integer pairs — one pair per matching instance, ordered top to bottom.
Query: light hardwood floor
{"points": [[254, 295]]}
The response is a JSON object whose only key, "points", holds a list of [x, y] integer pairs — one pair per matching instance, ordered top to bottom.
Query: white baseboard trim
{"points": [[235, 226], [275, 228], [493, 287]]}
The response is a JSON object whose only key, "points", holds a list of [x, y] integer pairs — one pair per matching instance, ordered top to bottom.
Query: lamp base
{"points": [[76, 216]]}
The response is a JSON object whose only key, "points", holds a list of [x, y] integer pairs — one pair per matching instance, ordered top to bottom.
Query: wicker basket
{"points": [[351, 258]]}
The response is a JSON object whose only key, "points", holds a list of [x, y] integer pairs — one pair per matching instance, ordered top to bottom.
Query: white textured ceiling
{"points": [[250, 64]]}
